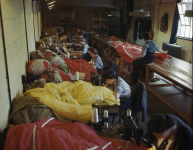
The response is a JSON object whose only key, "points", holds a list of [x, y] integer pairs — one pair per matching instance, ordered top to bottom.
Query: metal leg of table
{"points": [[190, 122]]}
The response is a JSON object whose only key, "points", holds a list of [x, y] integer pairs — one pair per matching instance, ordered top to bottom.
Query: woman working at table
{"points": [[147, 56], [96, 61], [122, 90]]}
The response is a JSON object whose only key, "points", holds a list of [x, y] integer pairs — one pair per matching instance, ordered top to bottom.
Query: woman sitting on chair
{"points": [[147, 56], [96, 61], [122, 90]]}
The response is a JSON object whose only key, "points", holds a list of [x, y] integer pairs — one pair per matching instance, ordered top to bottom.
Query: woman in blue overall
{"points": [[147, 56], [96, 61], [122, 90]]}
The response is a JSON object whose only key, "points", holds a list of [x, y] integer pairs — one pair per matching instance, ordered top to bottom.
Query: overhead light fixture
{"points": [[140, 13]]}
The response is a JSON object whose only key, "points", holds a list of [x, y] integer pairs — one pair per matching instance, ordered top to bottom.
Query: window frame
{"points": [[179, 22]]}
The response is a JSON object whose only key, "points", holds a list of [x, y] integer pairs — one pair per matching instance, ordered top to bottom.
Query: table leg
{"points": [[147, 77], [190, 113]]}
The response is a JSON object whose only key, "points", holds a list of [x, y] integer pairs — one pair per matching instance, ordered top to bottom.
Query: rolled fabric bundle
{"points": [[59, 62], [38, 66]]}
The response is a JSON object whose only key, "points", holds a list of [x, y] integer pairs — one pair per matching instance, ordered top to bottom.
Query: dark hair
{"points": [[80, 28], [146, 36], [93, 50], [110, 74], [159, 123]]}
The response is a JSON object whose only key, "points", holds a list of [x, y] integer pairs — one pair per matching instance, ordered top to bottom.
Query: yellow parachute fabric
{"points": [[73, 100]]}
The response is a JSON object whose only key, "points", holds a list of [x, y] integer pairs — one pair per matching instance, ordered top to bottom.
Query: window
{"points": [[185, 23]]}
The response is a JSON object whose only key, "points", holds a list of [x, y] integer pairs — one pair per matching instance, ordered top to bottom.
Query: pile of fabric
{"points": [[127, 51], [80, 65], [72, 100], [29, 110], [51, 134]]}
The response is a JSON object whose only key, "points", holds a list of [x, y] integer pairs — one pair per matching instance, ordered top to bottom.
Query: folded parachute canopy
{"points": [[127, 51], [80, 65], [72, 100], [54, 135]]}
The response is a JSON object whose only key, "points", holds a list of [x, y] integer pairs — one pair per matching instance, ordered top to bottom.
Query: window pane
{"points": [[185, 0], [190, 0], [189, 6], [183, 8], [180, 9], [182, 19], [191, 19], [187, 20], [179, 23], [179, 31], [182, 31], [187, 31], [190, 35]]}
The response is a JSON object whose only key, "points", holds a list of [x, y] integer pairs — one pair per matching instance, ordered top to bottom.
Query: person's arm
{"points": [[86, 37], [85, 48], [144, 50], [118, 90]]}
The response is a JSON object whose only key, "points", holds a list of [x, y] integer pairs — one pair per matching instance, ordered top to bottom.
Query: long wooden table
{"points": [[176, 71]]}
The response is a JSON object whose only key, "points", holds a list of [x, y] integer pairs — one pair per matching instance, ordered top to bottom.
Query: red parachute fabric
{"points": [[113, 38], [127, 51], [55, 66], [74, 66], [33, 70], [64, 76], [50, 134]]}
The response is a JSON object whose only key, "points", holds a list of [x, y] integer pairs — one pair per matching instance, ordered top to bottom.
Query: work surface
{"points": [[175, 70], [179, 73]]}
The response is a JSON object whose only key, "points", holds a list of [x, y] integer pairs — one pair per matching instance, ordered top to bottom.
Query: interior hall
{"points": [[96, 74]]}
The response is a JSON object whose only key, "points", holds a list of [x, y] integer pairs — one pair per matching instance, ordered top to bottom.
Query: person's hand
{"points": [[133, 146], [153, 148]]}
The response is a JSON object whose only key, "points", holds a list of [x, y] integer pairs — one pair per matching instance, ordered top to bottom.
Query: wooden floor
{"points": [[174, 95]]}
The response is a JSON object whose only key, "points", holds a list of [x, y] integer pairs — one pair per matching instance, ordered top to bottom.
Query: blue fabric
{"points": [[175, 25], [85, 37], [152, 46], [98, 63], [138, 64], [110, 66], [100, 71], [122, 87], [139, 100], [125, 103]]}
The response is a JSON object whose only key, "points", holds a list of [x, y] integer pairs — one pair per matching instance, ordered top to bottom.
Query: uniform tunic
{"points": [[97, 62], [122, 87], [124, 90]]}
